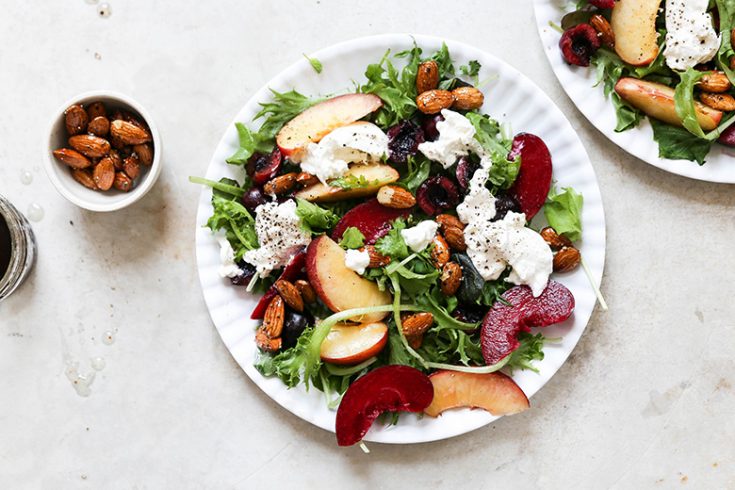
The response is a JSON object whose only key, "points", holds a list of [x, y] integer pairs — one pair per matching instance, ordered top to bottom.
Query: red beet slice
{"points": [[534, 178], [371, 218], [291, 272], [503, 323], [386, 389]]}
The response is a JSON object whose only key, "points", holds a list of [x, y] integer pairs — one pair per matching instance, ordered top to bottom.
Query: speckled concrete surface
{"points": [[646, 400]]}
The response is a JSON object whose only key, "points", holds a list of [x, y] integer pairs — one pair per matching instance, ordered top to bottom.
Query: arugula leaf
{"points": [[726, 10], [444, 61], [315, 63], [610, 68], [397, 90], [684, 101], [284, 107], [677, 143], [419, 168], [503, 171], [352, 181], [225, 187], [563, 211], [315, 219], [239, 226], [352, 238], [393, 243], [493, 290], [431, 303], [452, 347], [531, 349], [397, 352]]}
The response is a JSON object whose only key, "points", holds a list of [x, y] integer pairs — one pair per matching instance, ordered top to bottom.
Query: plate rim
{"points": [[387, 40], [683, 168]]}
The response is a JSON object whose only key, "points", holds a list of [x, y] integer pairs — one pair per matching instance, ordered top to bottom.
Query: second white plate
{"points": [[578, 83]]}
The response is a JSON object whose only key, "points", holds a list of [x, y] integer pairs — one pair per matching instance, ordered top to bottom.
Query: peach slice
{"points": [[634, 25], [657, 100], [317, 121], [376, 174], [337, 286], [352, 344], [494, 392]]}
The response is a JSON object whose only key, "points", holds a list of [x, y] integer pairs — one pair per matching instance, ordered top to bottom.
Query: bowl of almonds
{"points": [[103, 151]]}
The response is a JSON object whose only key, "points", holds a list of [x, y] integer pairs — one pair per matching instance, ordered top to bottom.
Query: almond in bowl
{"points": [[104, 152]]}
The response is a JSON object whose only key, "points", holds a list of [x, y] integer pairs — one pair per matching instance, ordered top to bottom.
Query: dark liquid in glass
{"points": [[4, 247]]}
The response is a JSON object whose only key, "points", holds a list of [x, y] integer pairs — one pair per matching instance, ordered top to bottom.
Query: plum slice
{"points": [[534, 178], [372, 219], [290, 273], [504, 322], [385, 389]]}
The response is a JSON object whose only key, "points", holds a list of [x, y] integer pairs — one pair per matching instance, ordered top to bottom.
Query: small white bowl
{"points": [[60, 174]]}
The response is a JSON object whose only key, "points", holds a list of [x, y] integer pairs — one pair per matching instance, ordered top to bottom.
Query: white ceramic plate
{"points": [[578, 83], [511, 97]]}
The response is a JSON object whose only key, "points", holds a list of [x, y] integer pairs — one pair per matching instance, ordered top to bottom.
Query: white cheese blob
{"points": [[690, 37], [456, 139], [330, 158], [280, 235], [420, 236], [494, 245], [357, 260], [228, 267]]}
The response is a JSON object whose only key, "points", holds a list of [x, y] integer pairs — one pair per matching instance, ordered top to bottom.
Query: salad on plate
{"points": [[670, 60], [403, 241]]}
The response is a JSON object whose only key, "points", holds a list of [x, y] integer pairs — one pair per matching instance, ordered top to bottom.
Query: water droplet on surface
{"points": [[104, 10], [26, 177], [35, 212], [108, 338], [98, 363], [80, 382]]}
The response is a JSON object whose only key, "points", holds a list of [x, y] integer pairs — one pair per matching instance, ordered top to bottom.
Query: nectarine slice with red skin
{"points": [[634, 25], [657, 101], [317, 121], [377, 175], [531, 188], [372, 219], [291, 272], [337, 286], [504, 322], [353, 344], [385, 389], [494, 392]]}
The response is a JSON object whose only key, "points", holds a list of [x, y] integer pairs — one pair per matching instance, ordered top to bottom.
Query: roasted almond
{"points": [[604, 30], [427, 76], [716, 82], [467, 98], [433, 101], [720, 102], [96, 109], [133, 119], [75, 120], [99, 126], [129, 133], [90, 145], [145, 153], [72, 158], [117, 160], [131, 166], [104, 174], [84, 177], [305, 179], [122, 182], [281, 184], [393, 196], [447, 221], [455, 238], [554, 240], [439, 251], [377, 259], [566, 259], [451, 278], [306, 291], [290, 294], [274, 316], [417, 323], [266, 343]]}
